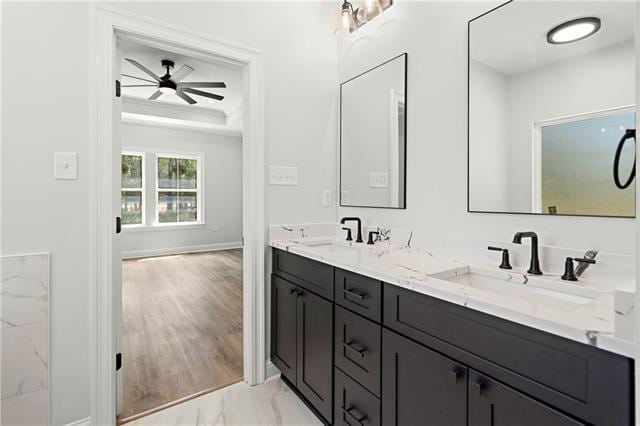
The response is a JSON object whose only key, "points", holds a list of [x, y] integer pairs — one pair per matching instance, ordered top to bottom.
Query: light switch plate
{"points": [[66, 165], [283, 175], [378, 180], [327, 198]]}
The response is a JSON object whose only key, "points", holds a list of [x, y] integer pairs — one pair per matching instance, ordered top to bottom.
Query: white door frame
{"points": [[105, 23]]}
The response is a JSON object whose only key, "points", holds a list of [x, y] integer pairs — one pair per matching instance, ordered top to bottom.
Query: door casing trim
{"points": [[105, 23]]}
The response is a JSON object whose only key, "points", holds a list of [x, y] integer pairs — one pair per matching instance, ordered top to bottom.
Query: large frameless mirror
{"points": [[552, 109], [373, 122]]}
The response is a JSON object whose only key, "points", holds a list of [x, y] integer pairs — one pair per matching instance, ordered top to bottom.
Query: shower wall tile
{"points": [[24, 339]]}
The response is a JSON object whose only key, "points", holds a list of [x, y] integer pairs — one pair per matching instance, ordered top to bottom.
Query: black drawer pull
{"points": [[354, 293], [360, 352], [479, 386], [348, 412]]}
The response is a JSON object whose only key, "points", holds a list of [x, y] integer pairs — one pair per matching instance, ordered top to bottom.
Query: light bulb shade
{"points": [[371, 9], [347, 22], [574, 30]]}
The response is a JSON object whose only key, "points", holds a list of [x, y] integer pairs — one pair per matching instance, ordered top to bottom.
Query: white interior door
{"points": [[116, 246]]}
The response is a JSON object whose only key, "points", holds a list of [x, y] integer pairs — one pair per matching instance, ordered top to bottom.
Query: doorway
{"points": [[109, 23], [181, 219]]}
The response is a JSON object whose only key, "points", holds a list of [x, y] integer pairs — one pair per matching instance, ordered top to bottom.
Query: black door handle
{"points": [[354, 293], [349, 345], [455, 373], [480, 386], [349, 412]]}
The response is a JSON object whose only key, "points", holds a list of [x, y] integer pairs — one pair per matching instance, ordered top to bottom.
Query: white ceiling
{"points": [[513, 38], [150, 57]]}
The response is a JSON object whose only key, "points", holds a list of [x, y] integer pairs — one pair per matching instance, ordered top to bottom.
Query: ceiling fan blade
{"points": [[143, 68], [184, 71], [137, 78], [202, 84], [139, 85], [201, 93], [155, 95], [185, 97]]}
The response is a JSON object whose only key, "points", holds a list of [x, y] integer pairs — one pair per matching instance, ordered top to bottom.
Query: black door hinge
{"points": [[117, 88], [118, 225], [118, 361]]}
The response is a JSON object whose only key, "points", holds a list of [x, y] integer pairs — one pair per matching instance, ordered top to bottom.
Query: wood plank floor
{"points": [[182, 327]]}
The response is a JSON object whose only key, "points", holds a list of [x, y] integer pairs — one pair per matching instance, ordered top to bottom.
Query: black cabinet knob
{"points": [[353, 293], [349, 345], [455, 373], [480, 386], [353, 414]]}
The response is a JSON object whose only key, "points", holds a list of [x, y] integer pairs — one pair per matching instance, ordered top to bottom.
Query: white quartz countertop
{"points": [[581, 311]]}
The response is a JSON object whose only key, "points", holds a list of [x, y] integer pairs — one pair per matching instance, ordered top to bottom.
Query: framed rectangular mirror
{"points": [[551, 90], [373, 137]]}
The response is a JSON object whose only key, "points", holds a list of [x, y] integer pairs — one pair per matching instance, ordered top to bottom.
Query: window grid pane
{"points": [[131, 171], [131, 207]]}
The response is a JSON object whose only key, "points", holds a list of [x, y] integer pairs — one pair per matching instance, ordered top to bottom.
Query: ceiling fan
{"points": [[172, 83]]}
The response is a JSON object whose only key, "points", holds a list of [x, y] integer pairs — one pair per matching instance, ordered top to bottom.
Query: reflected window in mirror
{"points": [[373, 118], [545, 119]]}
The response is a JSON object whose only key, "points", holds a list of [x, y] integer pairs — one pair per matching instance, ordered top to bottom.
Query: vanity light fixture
{"points": [[352, 18], [574, 30]]}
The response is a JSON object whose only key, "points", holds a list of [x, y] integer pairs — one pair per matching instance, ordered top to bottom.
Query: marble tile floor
{"points": [[271, 403]]}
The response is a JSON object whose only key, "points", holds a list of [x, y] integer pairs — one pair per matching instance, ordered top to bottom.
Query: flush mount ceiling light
{"points": [[352, 18], [574, 30]]}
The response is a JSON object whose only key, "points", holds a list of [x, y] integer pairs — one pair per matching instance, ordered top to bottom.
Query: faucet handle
{"points": [[371, 234], [349, 237], [505, 264], [570, 273]]}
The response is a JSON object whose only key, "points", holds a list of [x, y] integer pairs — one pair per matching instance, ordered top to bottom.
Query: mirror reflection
{"points": [[543, 127], [373, 136]]}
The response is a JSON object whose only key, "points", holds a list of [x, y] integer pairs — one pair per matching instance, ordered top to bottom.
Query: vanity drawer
{"points": [[314, 276], [360, 294], [357, 348], [582, 380], [354, 405]]}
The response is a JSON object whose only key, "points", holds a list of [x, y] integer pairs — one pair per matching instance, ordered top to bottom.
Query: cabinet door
{"points": [[283, 326], [315, 352], [419, 386], [494, 404]]}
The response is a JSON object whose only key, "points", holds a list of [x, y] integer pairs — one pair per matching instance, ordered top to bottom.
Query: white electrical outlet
{"points": [[66, 165], [283, 175], [378, 180], [344, 197], [327, 198]]}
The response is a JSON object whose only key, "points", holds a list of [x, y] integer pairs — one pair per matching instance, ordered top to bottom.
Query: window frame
{"points": [[142, 188], [199, 190]]}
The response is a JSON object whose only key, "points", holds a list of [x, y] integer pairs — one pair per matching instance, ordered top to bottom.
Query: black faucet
{"points": [[357, 219], [371, 234], [534, 266], [569, 272]]}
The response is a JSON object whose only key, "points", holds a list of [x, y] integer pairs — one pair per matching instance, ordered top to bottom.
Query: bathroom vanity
{"points": [[370, 335]]}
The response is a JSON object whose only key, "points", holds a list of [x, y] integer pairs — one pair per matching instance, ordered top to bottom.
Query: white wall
{"points": [[435, 36], [42, 116], [489, 148], [222, 158], [38, 213]]}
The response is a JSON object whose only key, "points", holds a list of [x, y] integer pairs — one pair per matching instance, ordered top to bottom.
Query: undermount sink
{"points": [[331, 248], [524, 287]]}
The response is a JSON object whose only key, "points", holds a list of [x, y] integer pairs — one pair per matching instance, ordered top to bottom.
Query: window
{"points": [[574, 161], [178, 189], [132, 193]]}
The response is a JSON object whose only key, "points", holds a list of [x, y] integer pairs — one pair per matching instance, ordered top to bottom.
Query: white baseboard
{"points": [[132, 254], [271, 370], [81, 422]]}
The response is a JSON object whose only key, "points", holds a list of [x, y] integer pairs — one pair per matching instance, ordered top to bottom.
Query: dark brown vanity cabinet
{"points": [[302, 342], [362, 352], [420, 386], [493, 404]]}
